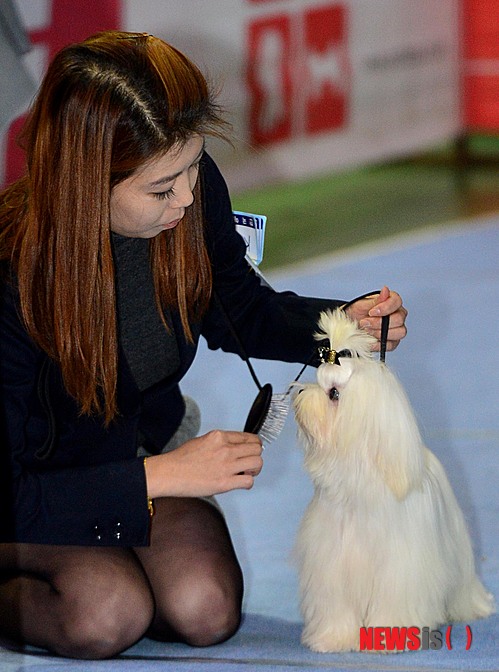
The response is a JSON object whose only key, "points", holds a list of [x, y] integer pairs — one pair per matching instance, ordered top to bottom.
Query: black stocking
{"points": [[194, 573], [75, 601], [85, 602]]}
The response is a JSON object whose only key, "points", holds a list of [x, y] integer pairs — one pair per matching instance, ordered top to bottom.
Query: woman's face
{"points": [[155, 197]]}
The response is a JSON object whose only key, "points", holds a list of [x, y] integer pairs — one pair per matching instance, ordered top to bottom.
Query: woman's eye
{"points": [[170, 193], [164, 195]]}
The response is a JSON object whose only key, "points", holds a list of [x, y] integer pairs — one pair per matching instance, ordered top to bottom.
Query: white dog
{"points": [[383, 541]]}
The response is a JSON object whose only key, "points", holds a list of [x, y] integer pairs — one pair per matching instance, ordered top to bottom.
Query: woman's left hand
{"points": [[368, 313]]}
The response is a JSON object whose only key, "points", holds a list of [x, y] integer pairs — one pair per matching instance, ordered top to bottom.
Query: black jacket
{"points": [[64, 478]]}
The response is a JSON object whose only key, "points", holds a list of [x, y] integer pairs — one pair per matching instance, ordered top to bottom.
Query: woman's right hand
{"points": [[216, 462]]}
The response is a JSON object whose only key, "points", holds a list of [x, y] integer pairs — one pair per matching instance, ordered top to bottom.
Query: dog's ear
{"points": [[385, 426], [400, 456]]}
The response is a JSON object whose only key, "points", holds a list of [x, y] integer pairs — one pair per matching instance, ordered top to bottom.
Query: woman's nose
{"points": [[183, 192]]}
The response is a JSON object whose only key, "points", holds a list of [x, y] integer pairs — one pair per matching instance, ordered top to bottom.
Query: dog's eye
{"points": [[344, 353]]}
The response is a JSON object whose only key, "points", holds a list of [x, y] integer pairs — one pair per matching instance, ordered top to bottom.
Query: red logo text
{"points": [[407, 638]]}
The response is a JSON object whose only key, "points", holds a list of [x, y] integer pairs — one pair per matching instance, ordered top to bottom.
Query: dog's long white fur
{"points": [[383, 541]]}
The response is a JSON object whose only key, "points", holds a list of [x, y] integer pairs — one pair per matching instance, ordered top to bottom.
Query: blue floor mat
{"points": [[449, 366]]}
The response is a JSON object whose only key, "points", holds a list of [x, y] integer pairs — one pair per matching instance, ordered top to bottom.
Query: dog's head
{"points": [[346, 344], [357, 412]]}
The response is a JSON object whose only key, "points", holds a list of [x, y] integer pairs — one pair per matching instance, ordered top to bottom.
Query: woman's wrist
{"points": [[160, 480], [153, 481], [150, 504]]}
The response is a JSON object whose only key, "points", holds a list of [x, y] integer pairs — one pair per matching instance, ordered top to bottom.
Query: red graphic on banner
{"points": [[70, 21], [327, 68], [481, 71], [298, 73], [269, 79]]}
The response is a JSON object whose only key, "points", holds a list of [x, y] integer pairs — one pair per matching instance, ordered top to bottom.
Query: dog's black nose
{"points": [[334, 394]]}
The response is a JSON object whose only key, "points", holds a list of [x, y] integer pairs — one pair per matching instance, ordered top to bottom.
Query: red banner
{"points": [[69, 21], [481, 64]]}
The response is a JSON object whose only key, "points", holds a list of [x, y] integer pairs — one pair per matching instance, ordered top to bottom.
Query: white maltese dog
{"points": [[383, 541]]}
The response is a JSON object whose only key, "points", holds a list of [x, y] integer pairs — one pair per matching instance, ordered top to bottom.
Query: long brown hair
{"points": [[105, 107]]}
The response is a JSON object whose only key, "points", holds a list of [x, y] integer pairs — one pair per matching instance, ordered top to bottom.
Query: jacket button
{"points": [[117, 530]]}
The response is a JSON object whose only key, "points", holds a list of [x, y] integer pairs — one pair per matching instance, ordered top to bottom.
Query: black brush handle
{"points": [[259, 410]]}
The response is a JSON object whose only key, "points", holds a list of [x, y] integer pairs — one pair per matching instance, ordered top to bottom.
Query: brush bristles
{"points": [[276, 417]]}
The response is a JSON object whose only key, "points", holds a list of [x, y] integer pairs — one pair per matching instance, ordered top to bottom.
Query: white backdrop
{"points": [[392, 64], [310, 86]]}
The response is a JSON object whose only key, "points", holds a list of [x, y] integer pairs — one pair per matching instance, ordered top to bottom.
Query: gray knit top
{"points": [[151, 351]]}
